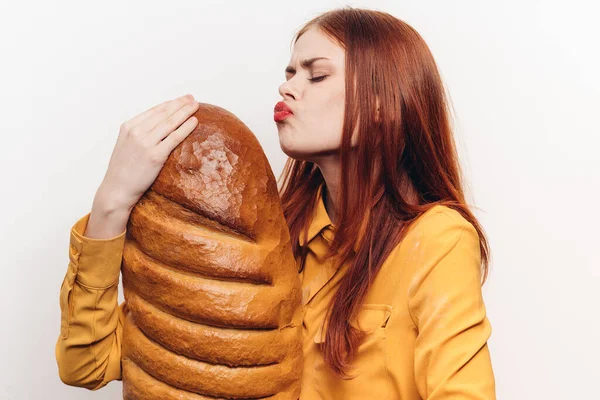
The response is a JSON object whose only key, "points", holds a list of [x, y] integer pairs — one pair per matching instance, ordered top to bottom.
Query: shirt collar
{"points": [[320, 218]]}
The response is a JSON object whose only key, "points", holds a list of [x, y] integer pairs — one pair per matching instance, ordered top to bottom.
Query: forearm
{"points": [[108, 217], [89, 346]]}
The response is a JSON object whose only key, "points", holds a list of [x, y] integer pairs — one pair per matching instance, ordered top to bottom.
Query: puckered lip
{"points": [[281, 106]]}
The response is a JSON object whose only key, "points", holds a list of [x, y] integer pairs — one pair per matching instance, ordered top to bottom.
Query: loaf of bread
{"points": [[210, 281]]}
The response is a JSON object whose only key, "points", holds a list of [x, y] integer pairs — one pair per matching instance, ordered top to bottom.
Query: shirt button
{"points": [[74, 252]]}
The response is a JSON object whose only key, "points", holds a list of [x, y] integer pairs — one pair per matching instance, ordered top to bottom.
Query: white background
{"points": [[524, 83]]}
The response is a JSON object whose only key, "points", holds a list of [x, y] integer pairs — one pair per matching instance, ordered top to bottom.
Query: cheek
{"points": [[327, 121], [319, 128]]}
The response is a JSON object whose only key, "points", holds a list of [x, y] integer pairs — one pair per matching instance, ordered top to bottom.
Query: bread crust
{"points": [[210, 280]]}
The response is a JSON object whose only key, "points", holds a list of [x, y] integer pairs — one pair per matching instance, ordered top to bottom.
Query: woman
{"points": [[391, 258]]}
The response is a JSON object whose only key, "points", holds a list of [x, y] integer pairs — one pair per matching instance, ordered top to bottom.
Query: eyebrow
{"points": [[306, 64]]}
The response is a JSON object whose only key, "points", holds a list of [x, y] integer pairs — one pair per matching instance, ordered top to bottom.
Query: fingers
{"points": [[149, 119], [170, 124], [177, 136]]}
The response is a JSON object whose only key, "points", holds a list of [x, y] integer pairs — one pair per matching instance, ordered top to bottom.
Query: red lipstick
{"points": [[281, 111]]}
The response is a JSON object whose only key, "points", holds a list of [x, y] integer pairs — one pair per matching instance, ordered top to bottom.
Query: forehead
{"points": [[314, 43]]}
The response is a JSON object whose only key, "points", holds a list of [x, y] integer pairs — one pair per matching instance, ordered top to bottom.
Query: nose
{"points": [[286, 91]]}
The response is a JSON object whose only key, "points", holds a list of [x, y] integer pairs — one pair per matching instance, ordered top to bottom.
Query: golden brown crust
{"points": [[209, 276], [138, 385]]}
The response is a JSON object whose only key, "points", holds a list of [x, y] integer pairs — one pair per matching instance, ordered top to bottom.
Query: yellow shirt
{"points": [[424, 313]]}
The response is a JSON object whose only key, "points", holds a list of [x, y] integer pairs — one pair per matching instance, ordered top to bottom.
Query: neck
{"points": [[331, 174]]}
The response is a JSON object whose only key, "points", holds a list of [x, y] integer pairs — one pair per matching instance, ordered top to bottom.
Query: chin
{"points": [[293, 151], [290, 152]]}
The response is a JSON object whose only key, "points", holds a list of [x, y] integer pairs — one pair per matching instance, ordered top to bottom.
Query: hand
{"points": [[142, 148]]}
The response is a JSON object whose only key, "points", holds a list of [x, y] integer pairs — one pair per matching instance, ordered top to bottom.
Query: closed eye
{"points": [[318, 78]]}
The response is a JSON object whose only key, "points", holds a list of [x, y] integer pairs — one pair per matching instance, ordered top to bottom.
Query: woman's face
{"points": [[314, 130]]}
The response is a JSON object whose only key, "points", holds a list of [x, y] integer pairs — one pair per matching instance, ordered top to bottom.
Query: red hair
{"points": [[405, 160]]}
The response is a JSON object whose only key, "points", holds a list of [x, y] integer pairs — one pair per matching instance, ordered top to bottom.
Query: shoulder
{"points": [[440, 223], [435, 233], [439, 247]]}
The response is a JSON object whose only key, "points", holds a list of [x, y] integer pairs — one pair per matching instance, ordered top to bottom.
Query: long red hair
{"points": [[405, 160]]}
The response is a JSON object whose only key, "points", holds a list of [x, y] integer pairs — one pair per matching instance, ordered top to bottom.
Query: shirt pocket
{"points": [[368, 368]]}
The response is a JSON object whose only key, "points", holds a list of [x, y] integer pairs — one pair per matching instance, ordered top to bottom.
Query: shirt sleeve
{"points": [[88, 349], [451, 355]]}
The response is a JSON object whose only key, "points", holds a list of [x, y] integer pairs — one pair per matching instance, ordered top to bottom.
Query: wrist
{"points": [[108, 202], [107, 219]]}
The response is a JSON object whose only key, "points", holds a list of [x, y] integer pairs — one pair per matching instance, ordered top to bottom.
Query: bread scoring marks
{"points": [[177, 213]]}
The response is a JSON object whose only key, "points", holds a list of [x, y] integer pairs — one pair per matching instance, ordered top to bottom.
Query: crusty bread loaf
{"points": [[210, 281]]}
